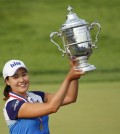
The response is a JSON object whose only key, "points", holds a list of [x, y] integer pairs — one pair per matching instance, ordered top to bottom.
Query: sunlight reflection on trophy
{"points": [[78, 45]]}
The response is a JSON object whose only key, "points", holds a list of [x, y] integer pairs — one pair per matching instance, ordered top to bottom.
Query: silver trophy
{"points": [[75, 34]]}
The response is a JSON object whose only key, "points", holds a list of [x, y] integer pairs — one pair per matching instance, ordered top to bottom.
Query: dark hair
{"points": [[7, 89]]}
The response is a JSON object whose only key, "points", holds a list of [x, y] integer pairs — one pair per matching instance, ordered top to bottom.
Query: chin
{"points": [[23, 90]]}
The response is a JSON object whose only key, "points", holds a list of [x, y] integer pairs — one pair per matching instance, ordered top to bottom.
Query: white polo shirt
{"points": [[25, 125]]}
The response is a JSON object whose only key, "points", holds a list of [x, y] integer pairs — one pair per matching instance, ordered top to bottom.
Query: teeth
{"points": [[22, 85]]}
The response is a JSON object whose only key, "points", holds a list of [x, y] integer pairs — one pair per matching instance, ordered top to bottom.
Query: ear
{"points": [[7, 82]]}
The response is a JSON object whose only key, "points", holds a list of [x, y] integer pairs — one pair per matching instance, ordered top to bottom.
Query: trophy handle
{"points": [[99, 29], [51, 38]]}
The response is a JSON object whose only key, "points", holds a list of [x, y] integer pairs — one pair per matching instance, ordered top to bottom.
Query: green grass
{"points": [[25, 26], [95, 112]]}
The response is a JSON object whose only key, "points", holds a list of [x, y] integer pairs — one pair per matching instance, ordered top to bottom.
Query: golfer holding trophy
{"points": [[78, 44]]}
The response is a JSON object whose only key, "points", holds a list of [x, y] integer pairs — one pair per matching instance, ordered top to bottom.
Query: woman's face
{"points": [[19, 82]]}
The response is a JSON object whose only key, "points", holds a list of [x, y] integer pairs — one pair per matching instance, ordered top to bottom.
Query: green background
{"points": [[25, 27]]}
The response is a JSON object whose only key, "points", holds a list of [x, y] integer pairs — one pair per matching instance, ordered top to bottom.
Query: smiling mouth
{"points": [[22, 85]]}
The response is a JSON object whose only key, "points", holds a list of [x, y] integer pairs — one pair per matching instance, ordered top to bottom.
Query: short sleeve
{"points": [[13, 107]]}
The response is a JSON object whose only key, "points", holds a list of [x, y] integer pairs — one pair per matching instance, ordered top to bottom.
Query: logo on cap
{"points": [[15, 64]]}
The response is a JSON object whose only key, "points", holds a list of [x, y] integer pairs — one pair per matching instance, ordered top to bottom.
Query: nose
{"points": [[21, 79]]}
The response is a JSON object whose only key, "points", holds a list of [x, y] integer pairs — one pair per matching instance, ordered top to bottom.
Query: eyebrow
{"points": [[25, 71]]}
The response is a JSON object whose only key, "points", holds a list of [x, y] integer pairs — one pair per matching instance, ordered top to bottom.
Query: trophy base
{"points": [[82, 64], [87, 68]]}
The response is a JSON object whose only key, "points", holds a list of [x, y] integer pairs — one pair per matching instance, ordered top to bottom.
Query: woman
{"points": [[27, 112]]}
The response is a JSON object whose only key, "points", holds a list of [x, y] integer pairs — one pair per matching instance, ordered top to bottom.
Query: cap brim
{"points": [[12, 73]]}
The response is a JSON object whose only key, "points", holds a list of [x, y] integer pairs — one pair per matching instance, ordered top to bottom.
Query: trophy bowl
{"points": [[77, 41]]}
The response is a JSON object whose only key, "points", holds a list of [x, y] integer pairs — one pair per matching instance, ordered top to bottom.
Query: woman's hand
{"points": [[74, 73]]}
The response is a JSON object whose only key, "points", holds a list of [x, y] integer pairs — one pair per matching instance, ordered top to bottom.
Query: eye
{"points": [[15, 77]]}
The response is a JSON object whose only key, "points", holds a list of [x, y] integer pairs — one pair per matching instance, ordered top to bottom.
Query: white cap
{"points": [[11, 67]]}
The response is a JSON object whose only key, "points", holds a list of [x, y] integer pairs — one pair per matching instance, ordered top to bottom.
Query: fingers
{"points": [[79, 70], [76, 73], [79, 73]]}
